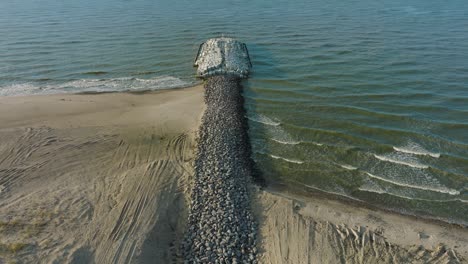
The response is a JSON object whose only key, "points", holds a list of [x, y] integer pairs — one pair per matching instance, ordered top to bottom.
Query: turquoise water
{"points": [[364, 99]]}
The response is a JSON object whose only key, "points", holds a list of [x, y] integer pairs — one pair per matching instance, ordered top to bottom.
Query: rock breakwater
{"points": [[221, 227]]}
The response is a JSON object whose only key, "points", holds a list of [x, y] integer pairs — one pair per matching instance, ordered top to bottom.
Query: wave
{"points": [[93, 85], [259, 118], [279, 135], [286, 142], [315, 143], [416, 149], [281, 158], [287, 160], [411, 163], [348, 167], [440, 190], [381, 191]]}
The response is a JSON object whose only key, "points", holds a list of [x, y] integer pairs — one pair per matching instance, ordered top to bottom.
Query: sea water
{"points": [[363, 99]]}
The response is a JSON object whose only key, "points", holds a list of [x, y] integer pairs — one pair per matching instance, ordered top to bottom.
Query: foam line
{"points": [[93, 85], [263, 120], [292, 142], [421, 152], [288, 160], [402, 162], [346, 166], [444, 190], [329, 192], [411, 198]]}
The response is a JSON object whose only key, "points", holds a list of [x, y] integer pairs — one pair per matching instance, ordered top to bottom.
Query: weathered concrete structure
{"points": [[223, 56]]}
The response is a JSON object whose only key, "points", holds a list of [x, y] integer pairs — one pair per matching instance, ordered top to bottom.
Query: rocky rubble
{"points": [[220, 56], [221, 228]]}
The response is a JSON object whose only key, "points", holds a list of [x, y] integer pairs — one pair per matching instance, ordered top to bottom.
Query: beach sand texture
{"points": [[95, 178], [104, 178], [295, 229]]}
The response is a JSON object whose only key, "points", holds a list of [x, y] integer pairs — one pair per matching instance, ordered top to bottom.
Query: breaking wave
{"points": [[93, 85], [259, 118], [286, 142], [415, 149], [287, 160], [397, 160], [346, 166], [440, 190], [381, 191]]}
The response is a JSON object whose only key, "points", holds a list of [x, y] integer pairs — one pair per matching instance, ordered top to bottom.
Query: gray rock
{"points": [[221, 228]]}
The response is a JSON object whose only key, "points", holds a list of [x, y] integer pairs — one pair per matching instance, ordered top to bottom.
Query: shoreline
{"points": [[96, 177], [274, 186], [310, 192], [320, 196], [295, 229]]}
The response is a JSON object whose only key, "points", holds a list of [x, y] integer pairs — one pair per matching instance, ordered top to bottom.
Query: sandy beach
{"points": [[95, 178], [105, 178]]}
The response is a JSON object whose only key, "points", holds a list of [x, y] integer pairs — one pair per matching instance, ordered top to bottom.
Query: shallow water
{"points": [[363, 99]]}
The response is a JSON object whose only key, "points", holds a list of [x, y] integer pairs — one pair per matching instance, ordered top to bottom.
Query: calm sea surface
{"points": [[364, 99]]}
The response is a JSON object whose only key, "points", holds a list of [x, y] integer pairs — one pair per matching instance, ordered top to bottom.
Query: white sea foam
{"points": [[93, 85], [19, 89], [259, 118], [279, 135], [286, 142], [415, 149], [281, 158], [287, 160], [398, 160], [346, 166], [426, 188], [381, 191]]}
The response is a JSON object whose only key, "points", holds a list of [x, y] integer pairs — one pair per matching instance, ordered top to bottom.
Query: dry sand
{"points": [[95, 178], [104, 179], [298, 229]]}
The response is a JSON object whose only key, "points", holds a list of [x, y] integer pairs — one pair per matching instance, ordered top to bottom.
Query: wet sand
{"points": [[105, 178]]}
